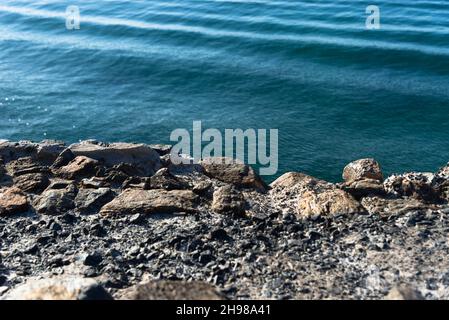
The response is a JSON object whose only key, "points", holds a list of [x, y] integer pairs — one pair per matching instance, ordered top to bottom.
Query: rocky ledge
{"points": [[120, 221]]}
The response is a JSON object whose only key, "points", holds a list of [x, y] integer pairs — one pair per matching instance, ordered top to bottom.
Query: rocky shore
{"points": [[120, 221]]}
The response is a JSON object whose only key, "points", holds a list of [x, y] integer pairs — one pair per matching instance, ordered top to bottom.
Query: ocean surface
{"points": [[136, 70]]}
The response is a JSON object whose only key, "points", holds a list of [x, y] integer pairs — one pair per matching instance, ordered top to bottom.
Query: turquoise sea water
{"points": [[136, 70]]}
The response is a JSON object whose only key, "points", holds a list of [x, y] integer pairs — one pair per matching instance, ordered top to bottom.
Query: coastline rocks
{"points": [[14, 150], [48, 151], [140, 156], [63, 159], [23, 166], [79, 167], [363, 169], [2, 171], [234, 172], [163, 179], [296, 179], [32, 182], [413, 184], [363, 188], [57, 199], [12, 200], [228, 200], [89, 201], [132, 201], [328, 202], [385, 207], [59, 288], [173, 290]]}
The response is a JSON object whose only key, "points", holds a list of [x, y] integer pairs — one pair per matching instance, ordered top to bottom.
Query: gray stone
{"points": [[228, 200], [89, 201]]}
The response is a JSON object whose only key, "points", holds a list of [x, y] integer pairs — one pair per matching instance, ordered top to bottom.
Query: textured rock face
{"points": [[139, 155], [78, 168], [362, 169], [233, 172], [163, 179], [296, 179], [32, 182], [415, 185], [364, 187], [57, 199], [228, 200], [12, 201], [90, 201], [133, 201], [329, 202], [386, 206], [59, 288], [173, 290], [404, 292]]}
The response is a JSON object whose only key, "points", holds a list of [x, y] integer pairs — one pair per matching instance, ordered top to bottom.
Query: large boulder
{"points": [[139, 156], [78, 168], [363, 169], [234, 172], [57, 199], [12, 200], [228, 200], [132, 201], [318, 202], [59, 288], [173, 290]]}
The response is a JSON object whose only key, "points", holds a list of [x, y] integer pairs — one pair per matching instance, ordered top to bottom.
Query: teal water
{"points": [[136, 70]]}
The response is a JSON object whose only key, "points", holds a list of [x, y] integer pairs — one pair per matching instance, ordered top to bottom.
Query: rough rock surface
{"points": [[363, 169], [233, 172], [12, 200], [228, 200], [151, 201], [123, 225], [59, 288], [173, 290]]}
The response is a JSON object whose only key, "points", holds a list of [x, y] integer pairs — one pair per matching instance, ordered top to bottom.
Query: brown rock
{"points": [[49, 150], [63, 159], [78, 168], [362, 169], [234, 172], [296, 179], [32, 182], [228, 200], [12, 201], [133, 201], [328, 202], [385, 207], [59, 288], [173, 290], [404, 292]]}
